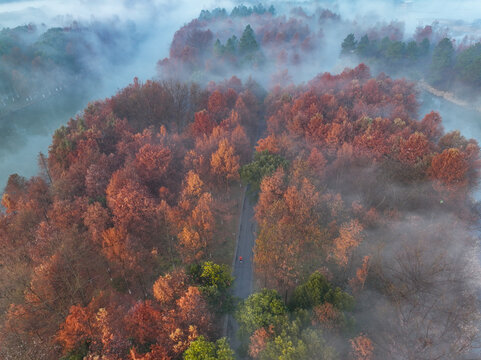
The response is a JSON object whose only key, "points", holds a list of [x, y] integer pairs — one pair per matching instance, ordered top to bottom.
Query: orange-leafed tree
{"points": [[217, 106], [203, 124], [414, 148], [151, 163], [225, 163], [449, 169], [132, 205], [350, 236], [357, 282], [169, 288], [328, 316], [144, 323], [78, 329], [258, 341], [362, 348]]}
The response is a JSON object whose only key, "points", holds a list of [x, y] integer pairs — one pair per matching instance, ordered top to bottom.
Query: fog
{"points": [[155, 22], [142, 33], [28, 130]]}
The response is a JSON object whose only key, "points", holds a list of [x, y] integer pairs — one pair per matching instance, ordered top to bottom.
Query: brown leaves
{"points": [[203, 124], [414, 148], [151, 162], [225, 163], [449, 169], [132, 205], [350, 236], [357, 282], [168, 288], [327, 316], [144, 322], [77, 328], [258, 341], [362, 347]]}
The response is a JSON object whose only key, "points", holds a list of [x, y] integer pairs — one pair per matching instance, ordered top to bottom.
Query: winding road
{"points": [[243, 272]]}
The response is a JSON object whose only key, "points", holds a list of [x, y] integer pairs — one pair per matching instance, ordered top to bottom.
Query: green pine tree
{"points": [[248, 43], [349, 44], [441, 69]]}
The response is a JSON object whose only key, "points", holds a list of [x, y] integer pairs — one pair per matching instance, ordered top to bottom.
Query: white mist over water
{"points": [[155, 20]]}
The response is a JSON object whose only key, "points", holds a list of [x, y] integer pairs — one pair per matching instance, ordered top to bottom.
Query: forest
{"points": [[31, 53], [445, 61], [48, 73], [126, 244]]}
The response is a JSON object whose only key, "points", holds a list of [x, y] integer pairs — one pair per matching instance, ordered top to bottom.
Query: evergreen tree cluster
{"points": [[238, 11], [246, 49], [386, 50], [442, 63]]}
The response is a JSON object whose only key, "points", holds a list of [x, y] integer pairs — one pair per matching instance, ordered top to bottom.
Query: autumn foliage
{"points": [[359, 165], [140, 184], [136, 185]]}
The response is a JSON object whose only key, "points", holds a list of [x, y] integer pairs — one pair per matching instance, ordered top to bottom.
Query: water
{"points": [[455, 117]]}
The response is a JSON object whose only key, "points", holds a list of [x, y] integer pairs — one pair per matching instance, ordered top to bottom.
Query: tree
{"points": [[241, 11], [247, 42], [349, 44], [231, 45], [424, 47], [363, 48], [219, 49], [412, 51], [468, 65], [441, 68], [217, 106], [203, 124], [431, 126], [414, 148], [225, 163], [264, 164], [449, 169], [16, 187], [193, 188], [130, 201], [350, 236], [290, 240], [190, 245], [214, 281], [357, 282], [169, 288], [316, 291], [261, 309], [433, 309], [192, 311], [328, 316], [144, 323], [78, 328], [258, 341], [293, 342], [362, 348], [201, 349]]}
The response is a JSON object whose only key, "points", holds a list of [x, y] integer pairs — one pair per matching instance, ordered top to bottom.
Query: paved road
{"points": [[243, 272]]}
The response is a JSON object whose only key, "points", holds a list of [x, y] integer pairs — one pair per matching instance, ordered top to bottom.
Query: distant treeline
{"points": [[238, 11], [34, 60], [442, 62]]}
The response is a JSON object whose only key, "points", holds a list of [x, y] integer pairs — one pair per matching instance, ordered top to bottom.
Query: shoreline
{"points": [[423, 85]]}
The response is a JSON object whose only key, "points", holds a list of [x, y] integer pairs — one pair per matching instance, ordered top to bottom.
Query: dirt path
{"points": [[447, 96], [243, 272]]}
